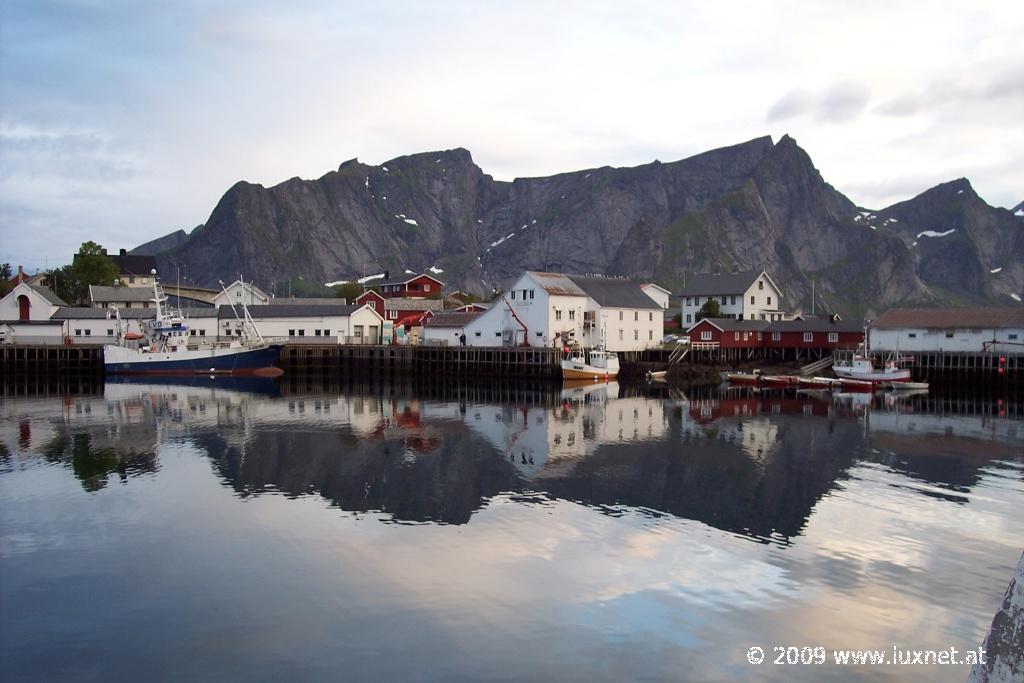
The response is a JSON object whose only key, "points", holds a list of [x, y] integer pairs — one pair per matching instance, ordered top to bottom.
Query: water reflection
{"points": [[750, 462]]}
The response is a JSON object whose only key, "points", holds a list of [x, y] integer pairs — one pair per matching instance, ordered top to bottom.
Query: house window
{"points": [[131, 279], [760, 284], [426, 287], [531, 294], [513, 295], [524, 295], [733, 299], [751, 299], [723, 300], [689, 301], [769, 301], [373, 305], [392, 314], [558, 314], [572, 314], [620, 315], [636, 316], [751, 316], [762, 316], [650, 317], [688, 318], [316, 332], [78, 333], [88, 333], [110, 333], [191, 333], [202, 333], [291, 333], [327, 333], [477, 334], [497, 334], [540, 334], [620, 335], [636, 335], [650, 335], [705, 335], [912, 335], [949, 335], [736, 336], [776, 336], [808, 336], [759, 337], [833, 337], [1013, 337]]}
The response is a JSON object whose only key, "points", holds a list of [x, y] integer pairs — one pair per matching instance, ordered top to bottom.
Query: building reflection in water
{"points": [[749, 462]]}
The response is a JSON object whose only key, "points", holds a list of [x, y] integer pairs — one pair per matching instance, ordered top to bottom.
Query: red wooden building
{"points": [[413, 286], [405, 311], [803, 338]]}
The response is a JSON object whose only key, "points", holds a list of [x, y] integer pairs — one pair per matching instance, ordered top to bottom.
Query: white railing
{"points": [[704, 345]]}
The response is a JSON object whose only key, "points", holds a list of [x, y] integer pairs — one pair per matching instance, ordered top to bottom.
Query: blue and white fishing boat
{"points": [[168, 349]]}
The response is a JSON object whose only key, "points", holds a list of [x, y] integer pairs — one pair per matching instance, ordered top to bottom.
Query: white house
{"points": [[239, 292], [660, 295], [750, 295], [29, 302], [551, 309], [317, 323], [83, 325], [447, 328], [966, 330], [36, 332]]}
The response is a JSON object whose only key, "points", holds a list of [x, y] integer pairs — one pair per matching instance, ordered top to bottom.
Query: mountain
{"points": [[750, 205], [161, 244]]}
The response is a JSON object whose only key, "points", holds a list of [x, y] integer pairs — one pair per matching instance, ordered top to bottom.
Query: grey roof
{"points": [[134, 264], [396, 281], [558, 284], [715, 284], [612, 292], [102, 293], [47, 294], [310, 301], [406, 303], [289, 311], [197, 312], [90, 313], [951, 318], [460, 319], [32, 322], [816, 323], [734, 324]]}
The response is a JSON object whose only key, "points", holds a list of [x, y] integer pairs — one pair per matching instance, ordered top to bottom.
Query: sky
{"points": [[123, 121]]}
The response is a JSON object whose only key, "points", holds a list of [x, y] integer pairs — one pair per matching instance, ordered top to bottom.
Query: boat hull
{"points": [[260, 361], [587, 373], [876, 376]]}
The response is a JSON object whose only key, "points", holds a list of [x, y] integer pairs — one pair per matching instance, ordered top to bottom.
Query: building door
{"points": [[23, 307], [372, 333]]}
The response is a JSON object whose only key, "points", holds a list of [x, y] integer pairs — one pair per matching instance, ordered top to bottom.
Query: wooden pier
{"points": [[74, 359], [996, 369]]}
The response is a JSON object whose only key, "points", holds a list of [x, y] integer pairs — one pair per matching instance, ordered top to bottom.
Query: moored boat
{"points": [[166, 348], [597, 364], [862, 367], [743, 377]]}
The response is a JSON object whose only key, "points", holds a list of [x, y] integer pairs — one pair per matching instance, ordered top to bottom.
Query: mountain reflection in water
{"points": [[749, 462]]}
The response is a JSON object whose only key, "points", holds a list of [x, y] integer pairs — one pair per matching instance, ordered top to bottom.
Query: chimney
{"points": [[124, 252], [387, 275]]}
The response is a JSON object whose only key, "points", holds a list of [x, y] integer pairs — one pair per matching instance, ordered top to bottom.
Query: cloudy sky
{"points": [[122, 121]]}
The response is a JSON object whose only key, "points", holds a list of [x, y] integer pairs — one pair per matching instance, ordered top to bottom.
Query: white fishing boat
{"points": [[167, 348], [595, 364], [862, 367]]}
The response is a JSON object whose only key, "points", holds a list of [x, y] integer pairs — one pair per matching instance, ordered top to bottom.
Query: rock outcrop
{"points": [[754, 204]]}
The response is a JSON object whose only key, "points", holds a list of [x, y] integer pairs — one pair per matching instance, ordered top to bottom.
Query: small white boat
{"points": [[596, 364], [862, 367], [656, 374], [909, 386]]}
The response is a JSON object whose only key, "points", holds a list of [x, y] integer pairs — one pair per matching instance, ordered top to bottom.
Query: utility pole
{"points": [[812, 295]]}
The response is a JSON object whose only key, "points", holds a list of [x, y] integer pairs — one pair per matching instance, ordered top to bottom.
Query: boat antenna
{"points": [[248, 323]]}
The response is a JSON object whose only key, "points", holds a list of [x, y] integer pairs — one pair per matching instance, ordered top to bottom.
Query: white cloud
{"points": [[145, 117]]}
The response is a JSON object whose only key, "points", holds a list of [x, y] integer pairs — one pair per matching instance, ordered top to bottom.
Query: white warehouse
{"points": [[553, 309], [958, 330]]}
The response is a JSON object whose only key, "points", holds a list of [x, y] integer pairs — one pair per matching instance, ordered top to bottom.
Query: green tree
{"points": [[90, 266], [5, 279], [348, 291], [710, 309]]}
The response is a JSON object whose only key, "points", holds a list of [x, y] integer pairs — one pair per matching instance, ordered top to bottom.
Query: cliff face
{"points": [[750, 205]]}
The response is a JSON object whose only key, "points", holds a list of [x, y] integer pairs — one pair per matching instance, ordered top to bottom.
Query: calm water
{"points": [[316, 532]]}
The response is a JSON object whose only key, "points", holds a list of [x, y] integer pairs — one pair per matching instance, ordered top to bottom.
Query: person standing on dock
{"points": [[462, 339]]}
